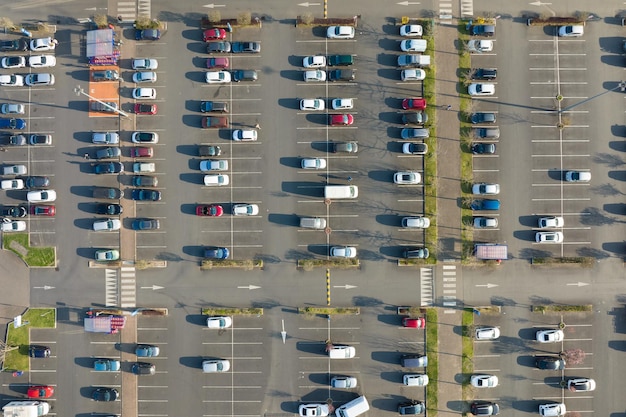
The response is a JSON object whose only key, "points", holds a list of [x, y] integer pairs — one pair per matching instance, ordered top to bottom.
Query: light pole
{"points": [[621, 85], [78, 90]]}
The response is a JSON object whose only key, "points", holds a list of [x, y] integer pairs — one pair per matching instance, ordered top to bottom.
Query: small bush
{"points": [[214, 16], [244, 18], [307, 18]]}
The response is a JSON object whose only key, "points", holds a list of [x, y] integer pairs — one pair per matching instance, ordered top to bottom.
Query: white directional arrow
{"points": [[406, 3], [538, 3], [307, 4], [211, 6], [90, 8], [578, 284], [487, 285], [249, 287], [347, 287], [45, 288], [153, 288], [283, 333]]}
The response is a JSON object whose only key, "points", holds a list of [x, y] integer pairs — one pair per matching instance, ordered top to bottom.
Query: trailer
{"points": [[491, 251], [97, 322], [26, 409]]}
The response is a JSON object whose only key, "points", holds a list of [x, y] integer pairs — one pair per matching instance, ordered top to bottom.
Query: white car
{"points": [[411, 30], [572, 31], [340, 32], [43, 44], [413, 45], [480, 46], [42, 61], [315, 61], [13, 62], [145, 64], [413, 74], [314, 76], [145, 77], [218, 77], [39, 79], [12, 80], [481, 89], [144, 93], [312, 104], [342, 104], [12, 108], [245, 135], [145, 137], [105, 138], [313, 163], [214, 165], [14, 170], [578, 176], [407, 177], [216, 180], [16, 184], [485, 189], [41, 196], [245, 210], [419, 222], [485, 222], [549, 222], [13, 225], [107, 225], [549, 237], [343, 251], [104, 255], [219, 322], [487, 333], [549, 336], [216, 365], [415, 380], [484, 381], [343, 382], [581, 384], [313, 410], [552, 410]]}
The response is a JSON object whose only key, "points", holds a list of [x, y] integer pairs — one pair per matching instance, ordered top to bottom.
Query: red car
{"points": [[214, 34], [217, 63], [414, 104], [141, 108], [341, 119], [141, 152], [43, 210], [213, 210], [418, 323], [40, 391]]}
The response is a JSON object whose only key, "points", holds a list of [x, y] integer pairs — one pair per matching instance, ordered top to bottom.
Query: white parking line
{"points": [[562, 69], [555, 82], [560, 141], [558, 156], [560, 199], [416, 200], [154, 328], [103, 343], [232, 343], [487, 356], [486, 370], [152, 386], [233, 387], [151, 401], [230, 401]]}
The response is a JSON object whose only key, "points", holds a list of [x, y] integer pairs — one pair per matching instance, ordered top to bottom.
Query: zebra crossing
{"points": [[467, 8], [445, 10], [129, 11], [120, 287], [426, 287], [449, 298]]}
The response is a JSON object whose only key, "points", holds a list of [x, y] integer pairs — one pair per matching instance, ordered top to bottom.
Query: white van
{"points": [[341, 191], [312, 222], [342, 352], [354, 408]]}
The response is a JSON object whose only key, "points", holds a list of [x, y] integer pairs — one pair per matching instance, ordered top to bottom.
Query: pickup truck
{"points": [[340, 60], [105, 75], [214, 106], [209, 122]]}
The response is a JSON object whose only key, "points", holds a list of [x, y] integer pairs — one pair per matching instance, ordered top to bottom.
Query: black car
{"points": [[14, 45], [218, 47], [246, 47], [484, 74], [245, 75], [341, 75], [214, 106], [111, 107], [483, 117], [415, 118], [483, 148], [208, 150], [108, 153], [108, 168], [144, 181], [37, 182], [107, 193], [143, 194], [110, 209], [14, 211], [146, 224], [416, 253], [38, 351], [552, 363], [143, 368], [105, 394], [411, 408], [484, 408]]}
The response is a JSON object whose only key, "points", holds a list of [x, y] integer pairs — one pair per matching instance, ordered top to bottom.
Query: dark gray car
{"points": [[245, 75], [483, 117], [347, 147]]}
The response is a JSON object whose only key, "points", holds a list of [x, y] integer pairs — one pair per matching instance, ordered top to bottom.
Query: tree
{"points": [[573, 356]]}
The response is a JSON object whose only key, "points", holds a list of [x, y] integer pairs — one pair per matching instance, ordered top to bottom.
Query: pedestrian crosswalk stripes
{"points": [[467, 8], [445, 10], [129, 11], [110, 278], [128, 287], [426, 287], [449, 296]]}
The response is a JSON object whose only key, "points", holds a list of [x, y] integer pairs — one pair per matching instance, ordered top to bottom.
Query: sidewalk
{"points": [[448, 213]]}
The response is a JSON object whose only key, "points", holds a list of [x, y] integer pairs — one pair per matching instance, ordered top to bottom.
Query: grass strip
{"points": [[19, 244], [225, 311], [312, 311], [17, 359], [467, 359], [432, 370]]}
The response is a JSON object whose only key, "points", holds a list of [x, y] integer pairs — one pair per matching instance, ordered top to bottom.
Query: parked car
{"points": [[411, 30], [482, 30], [571, 31], [340, 32], [147, 34], [213, 34], [43, 44], [14, 45], [413, 45], [480, 46], [218, 47], [246, 47], [340, 60], [316, 61], [10, 62], [217, 62], [144, 64], [412, 74], [484, 74], [105, 75], [244, 75], [341, 75], [314, 76], [145, 77], [218, 77], [11, 80], [34, 80], [481, 89], [144, 93], [312, 104], [342, 104], [414, 104], [214, 106], [105, 107], [12, 108], [483, 117], [414, 118], [344, 119], [214, 122], [12, 123], [486, 132], [414, 133], [105, 138], [17, 140], [40, 140], [345, 147], [415, 148], [483, 148], [209, 150], [141, 152], [108, 153], [313, 163], [214, 165], [108, 168], [14, 170], [578, 176], [406, 177], [216, 180], [144, 181], [14, 184], [484, 188], [107, 193], [142, 194], [41, 196], [485, 204], [110, 209], [245, 209], [43, 210], [210, 210], [14, 211], [416, 222], [485, 222], [550, 222], [146, 224], [8, 225], [107, 225], [549, 237], [216, 252], [343, 252], [416, 253], [219, 322], [414, 323], [487, 333], [549, 336], [38, 351], [147, 351], [552, 363], [106, 365], [215, 365], [143, 368], [415, 380], [484, 381], [346, 382], [581, 384], [40, 391], [105, 394], [411, 408], [484, 408], [313, 410], [552, 410]]}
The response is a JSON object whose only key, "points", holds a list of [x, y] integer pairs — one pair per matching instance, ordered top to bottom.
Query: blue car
{"points": [[147, 34], [12, 123], [143, 194], [485, 204], [216, 252], [147, 351], [106, 365]]}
